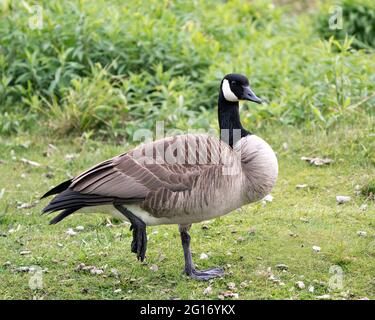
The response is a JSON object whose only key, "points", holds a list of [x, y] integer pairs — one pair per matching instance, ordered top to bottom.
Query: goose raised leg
{"points": [[139, 243]]}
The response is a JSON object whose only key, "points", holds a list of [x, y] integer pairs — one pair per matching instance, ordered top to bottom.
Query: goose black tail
{"points": [[60, 188], [71, 201], [64, 214]]}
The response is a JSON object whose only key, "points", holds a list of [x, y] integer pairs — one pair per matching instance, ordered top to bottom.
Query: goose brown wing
{"points": [[172, 163]]}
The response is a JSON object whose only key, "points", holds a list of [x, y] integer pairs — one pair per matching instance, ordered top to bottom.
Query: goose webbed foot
{"points": [[139, 243], [189, 265], [205, 274]]}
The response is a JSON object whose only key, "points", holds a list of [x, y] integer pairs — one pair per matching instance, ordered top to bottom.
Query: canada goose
{"points": [[178, 180]]}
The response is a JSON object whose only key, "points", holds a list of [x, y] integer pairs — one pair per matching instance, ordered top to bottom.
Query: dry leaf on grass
{"points": [[50, 150], [70, 156], [317, 161], [30, 163], [301, 186], [268, 198], [342, 199], [26, 205], [251, 231], [71, 232], [362, 233], [240, 239], [316, 248], [203, 256], [162, 257], [282, 267], [154, 268], [23, 269], [91, 269], [95, 271], [115, 273], [244, 284], [300, 285], [231, 286], [207, 291], [227, 294]]}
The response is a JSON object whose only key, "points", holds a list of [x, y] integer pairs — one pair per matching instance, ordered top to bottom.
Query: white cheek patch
{"points": [[227, 92]]}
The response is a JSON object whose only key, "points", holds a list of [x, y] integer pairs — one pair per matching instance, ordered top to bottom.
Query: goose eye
{"points": [[233, 83]]}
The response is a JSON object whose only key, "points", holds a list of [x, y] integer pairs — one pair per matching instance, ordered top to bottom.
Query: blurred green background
{"points": [[108, 68]]}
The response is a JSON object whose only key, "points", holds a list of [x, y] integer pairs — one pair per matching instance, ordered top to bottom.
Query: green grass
{"points": [[281, 236]]}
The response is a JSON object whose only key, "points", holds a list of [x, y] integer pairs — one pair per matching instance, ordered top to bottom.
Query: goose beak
{"points": [[249, 95]]}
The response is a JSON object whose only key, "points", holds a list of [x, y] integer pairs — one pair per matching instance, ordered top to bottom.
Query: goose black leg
{"points": [[139, 243], [189, 265]]}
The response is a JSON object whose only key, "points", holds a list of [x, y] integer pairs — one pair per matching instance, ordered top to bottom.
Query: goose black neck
{"points": [[231, 129]]}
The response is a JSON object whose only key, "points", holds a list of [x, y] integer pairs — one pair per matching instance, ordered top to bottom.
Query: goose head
{"points": [[235, 87]]}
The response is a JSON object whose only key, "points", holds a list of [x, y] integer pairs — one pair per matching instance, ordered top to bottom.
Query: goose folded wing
{"points": [[148, 168]]}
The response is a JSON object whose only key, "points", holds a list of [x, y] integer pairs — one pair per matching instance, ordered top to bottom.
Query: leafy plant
{"points": [[357, 20], [109, 68]]}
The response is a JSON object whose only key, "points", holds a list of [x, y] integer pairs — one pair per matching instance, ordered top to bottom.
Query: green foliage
{"points": [[358, 20], [112, 68], [89, 103]]}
